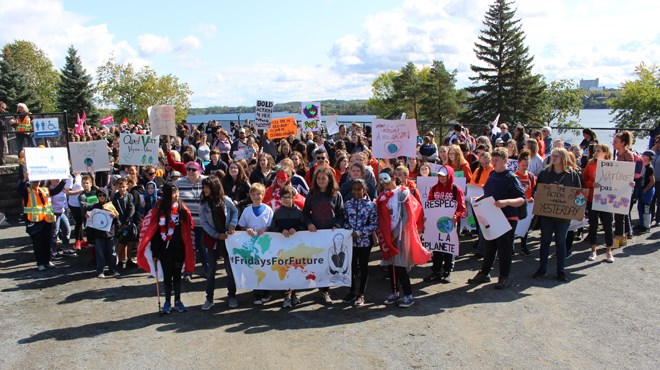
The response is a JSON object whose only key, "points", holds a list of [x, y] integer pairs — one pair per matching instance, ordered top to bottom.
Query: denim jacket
{"points": [[206, 217]]}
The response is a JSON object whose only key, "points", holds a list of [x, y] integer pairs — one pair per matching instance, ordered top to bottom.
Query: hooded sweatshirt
{"points": [[445, 192]]}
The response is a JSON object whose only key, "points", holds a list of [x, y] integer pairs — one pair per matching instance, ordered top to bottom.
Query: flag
{"points": [[84, 118], [107, 120], [125, 121], [78, 128], [496, 129]]}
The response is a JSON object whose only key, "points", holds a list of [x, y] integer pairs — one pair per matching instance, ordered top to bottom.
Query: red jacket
{"points": [[439, 191]]}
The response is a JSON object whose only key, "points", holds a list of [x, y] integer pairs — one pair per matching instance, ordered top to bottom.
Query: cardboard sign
{"points": [[263, 114], [161, 120], [282, 127], [394, 138], [138, 150], [89, 156], [47, 163], [614, 193], [560, 201], [440, 233]]}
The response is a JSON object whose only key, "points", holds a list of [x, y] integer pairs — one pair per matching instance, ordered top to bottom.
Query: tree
{"points": [[40, 74], [504, 84], [14, 87], [407, 87], [132, 91], [75, 93], [382, 99], [562, 100], [440, 103], [638, 106]]}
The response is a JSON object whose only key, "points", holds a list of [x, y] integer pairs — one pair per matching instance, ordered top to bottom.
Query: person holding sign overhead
{"points": [[559, 173]]}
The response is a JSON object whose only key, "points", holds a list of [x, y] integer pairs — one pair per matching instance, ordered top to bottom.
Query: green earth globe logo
{"points": [[392, 148], [88, 162], [445, 225]]}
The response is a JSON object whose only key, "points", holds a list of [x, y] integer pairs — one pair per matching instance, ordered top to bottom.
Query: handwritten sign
{"points": [[311, 112], [263, 114], [161, 120], [331, 124], [282, 127], [394, 138], [138, 150], [246, 153], [89, 156], [47, 163], [512, 164], [471, 191], [614, 194], [560, 201], [99, 219], [492, 221], [440, 233]]}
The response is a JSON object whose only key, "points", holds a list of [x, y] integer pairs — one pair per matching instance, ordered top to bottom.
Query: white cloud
{"points": [[206, 29], [189, 43], [151, 45], [190, 62]]}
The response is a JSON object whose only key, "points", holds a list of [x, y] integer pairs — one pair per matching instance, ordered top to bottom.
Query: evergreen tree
{"points": [[504, 84], [14, 87], [75, 92], [440, 102]]}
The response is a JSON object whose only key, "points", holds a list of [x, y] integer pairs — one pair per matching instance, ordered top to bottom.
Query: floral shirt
{"points": [[360, 216]]}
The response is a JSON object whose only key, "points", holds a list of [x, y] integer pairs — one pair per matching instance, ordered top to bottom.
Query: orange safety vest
{"points": [[25, 124], [38, 207]]}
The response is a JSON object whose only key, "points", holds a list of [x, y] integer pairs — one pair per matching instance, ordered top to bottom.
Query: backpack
{"points": [[639, 166], [522, 210]]}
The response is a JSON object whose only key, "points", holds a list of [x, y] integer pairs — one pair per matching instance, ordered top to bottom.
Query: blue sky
{"points": [[235, 52]]}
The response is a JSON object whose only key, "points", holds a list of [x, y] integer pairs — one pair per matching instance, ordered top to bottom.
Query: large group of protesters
{"points": [[205, 188]]}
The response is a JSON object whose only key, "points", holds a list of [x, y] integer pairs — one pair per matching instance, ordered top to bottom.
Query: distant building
{"points": [[589, 84]]}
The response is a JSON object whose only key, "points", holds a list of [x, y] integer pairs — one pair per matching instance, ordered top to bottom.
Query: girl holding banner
{"points": [[601, 152], [622, 227]]}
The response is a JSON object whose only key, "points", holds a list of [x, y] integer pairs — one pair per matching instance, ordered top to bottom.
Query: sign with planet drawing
{"points": [[394, 138], [440, 232]]}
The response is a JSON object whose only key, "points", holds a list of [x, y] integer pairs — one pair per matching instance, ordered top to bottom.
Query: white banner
{"points": [[311, 112], [263, 114], [161, 120], [331, 125], [394, 138], [138, 150], [89, 156], [47, 163], [614, 193], [99, 219], [492, 221], [440, 233], [301, 261]]}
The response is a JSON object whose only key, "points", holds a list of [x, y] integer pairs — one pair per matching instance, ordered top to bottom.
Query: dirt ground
{"points": [[604, 318]]}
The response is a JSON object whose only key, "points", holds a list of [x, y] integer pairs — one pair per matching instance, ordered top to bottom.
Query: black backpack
{"points": [[522, 210]]}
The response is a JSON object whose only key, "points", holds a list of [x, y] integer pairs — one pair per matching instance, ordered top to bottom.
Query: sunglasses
{"points": [[320, 158], [191, 169], [151, 173]]}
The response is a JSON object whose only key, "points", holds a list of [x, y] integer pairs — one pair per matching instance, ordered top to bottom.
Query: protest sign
{"points": [[311, 112], [263, 114], [106, 120], [161, 120], [331, 125], [282, 127], [394, 138], [138, 150], [246, 153], [89, 156], [47, 163], [512, 164], [434, 168], [424, 185], [471, 191], [614, 193], [560, 201], [99, 219], [492, 221], [523, 225], [440, 233], [301, 261]]}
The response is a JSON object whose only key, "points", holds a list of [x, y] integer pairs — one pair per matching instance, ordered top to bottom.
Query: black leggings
{"points": [[76, 212], [605, 220], [442, 260], [360, 266], [172, 275], [399, 276]]}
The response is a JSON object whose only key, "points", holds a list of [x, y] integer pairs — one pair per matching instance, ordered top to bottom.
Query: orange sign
{"points": [[282, 127]]}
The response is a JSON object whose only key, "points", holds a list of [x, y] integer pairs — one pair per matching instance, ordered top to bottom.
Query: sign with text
{"points": [[311, 112], [263, 114], [161, 120], [331, 124], [46, 127], [282, 127], [394, 138], [138, 150], [89, 156], [47, 163], [614, 193], [560, 201], [99, 219], [492, 221], [440, 232]]}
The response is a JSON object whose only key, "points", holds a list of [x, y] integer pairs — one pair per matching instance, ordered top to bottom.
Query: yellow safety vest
{"points": [[25, 124], [39, 208]]}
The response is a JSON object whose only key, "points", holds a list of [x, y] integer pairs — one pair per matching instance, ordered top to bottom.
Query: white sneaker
{"points": [[592, 256], [609, 258], [101, 276]]}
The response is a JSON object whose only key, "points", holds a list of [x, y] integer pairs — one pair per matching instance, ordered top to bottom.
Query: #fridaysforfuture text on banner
{"points": [[311, 112], [263, 114], [162, 120], [282, 127], [394, 138], [138, 150], [89, 156], [47, 163], [614, 193], [558, 201], [492, 221], [440, 233], [303, 260]]}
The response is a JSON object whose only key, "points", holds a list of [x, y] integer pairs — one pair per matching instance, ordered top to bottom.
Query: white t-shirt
{"points": [[74, 186], [250, 220]]}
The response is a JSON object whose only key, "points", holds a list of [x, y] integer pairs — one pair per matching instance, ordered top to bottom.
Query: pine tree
{"points": [[505, 85], [14, 87], [75, 92], [440, 102]]}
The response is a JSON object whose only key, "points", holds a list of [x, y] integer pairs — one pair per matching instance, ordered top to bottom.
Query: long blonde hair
{"points": [[563, 155]]}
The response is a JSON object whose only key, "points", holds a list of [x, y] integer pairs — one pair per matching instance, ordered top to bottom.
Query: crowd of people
{"points": [[210, 182]]}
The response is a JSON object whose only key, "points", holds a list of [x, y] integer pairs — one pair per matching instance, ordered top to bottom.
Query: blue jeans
{"points": [[28, 138], [550, 226], [62, 229], [201, 249], [220, 250], [105, 252]]}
